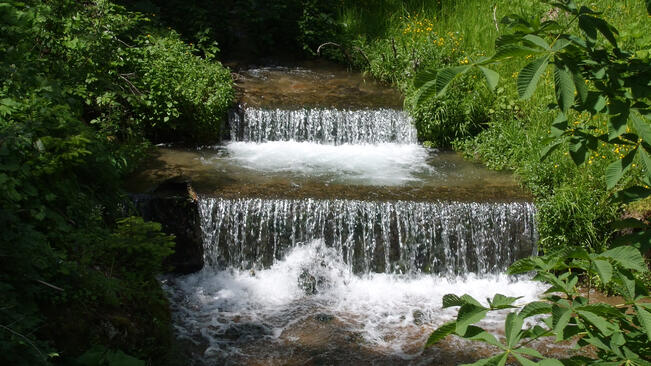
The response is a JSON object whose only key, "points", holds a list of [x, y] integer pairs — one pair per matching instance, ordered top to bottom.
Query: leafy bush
{"points": [[590, 79], [183, 96], [75, 99]]}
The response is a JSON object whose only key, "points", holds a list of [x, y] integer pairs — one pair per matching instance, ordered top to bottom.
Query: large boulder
{"points": [[174, 204]]}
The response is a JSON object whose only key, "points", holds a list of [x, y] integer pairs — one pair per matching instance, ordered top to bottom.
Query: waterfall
{"points": [[327, 126], [448, 238]]}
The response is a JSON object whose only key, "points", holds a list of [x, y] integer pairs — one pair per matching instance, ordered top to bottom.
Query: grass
{"points": [[403, 38]]}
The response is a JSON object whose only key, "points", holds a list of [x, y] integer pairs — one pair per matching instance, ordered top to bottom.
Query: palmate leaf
{"points": [[537, 41], [512, 50], [530, 75], [445, 76], [423, 77], [492, 77], [440, 83], [564, 87], [581, 87], [426, 91], [619, 111], [642, 127], [579, 149], [615, 170], [632, 194], [627, 257], [604, 270], [454, 300], [500, 301], [535, 308], [469, 314], [560, 318], [645, 320], [599, 322], [512, 328], [440, 333], [475, 333], [497, 360], [523, 360]]}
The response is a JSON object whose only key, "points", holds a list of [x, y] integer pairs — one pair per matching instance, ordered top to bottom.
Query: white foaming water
{"points": [[386, 164], [394, 314]]}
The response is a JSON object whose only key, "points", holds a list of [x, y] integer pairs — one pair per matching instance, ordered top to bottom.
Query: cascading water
{"points": [[323, 125], [451, 238], [331, 280]]}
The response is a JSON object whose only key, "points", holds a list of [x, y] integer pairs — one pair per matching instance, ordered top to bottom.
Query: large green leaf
{"points": [[590, 25], [537, 41], [512, 50], [530, 75], [445, 76], [423, 77], [492, 78], [564, 87], [581, 87], [426, 91], [619, 111], [642, 127], [579, 149], [646, 160], [615, 170], [632, 194], [627, 257], [604, 270], [454, 300], [500, 301], [535, 308], [469, 314], [561, 318], [645, 320], [599, 322], [512, 328], [441, 332], [475, 333], [529, 352], [497, 360], [523, 360], [550, 362]]}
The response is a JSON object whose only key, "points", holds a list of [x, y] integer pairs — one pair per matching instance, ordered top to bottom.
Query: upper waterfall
{"points": [[322, 125]]}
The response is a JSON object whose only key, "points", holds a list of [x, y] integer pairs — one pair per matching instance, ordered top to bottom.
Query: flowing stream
{"points": [[330, 235]]}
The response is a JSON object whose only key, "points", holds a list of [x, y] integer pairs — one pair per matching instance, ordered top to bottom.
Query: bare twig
{"points": [[495, 18], [318, 50], [345, 52], [361, 52], [132, 87], [50, 285], [26, 340]]}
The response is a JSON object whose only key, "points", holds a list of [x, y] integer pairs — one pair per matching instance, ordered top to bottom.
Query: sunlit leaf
{"points": [[530, 75]]}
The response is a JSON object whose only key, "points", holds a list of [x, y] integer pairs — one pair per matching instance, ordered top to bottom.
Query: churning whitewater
{"points": [[380, 164], [229, 310]]}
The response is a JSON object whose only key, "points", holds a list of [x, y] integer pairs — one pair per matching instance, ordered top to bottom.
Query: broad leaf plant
{"points": [[591, 74]]}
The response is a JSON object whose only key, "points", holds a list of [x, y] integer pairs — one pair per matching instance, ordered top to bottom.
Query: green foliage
{"points": [[81, 84], [186, 97], [620, 334]]}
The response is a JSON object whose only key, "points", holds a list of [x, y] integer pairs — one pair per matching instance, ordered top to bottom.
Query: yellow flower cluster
{"points": [[417, 25]]}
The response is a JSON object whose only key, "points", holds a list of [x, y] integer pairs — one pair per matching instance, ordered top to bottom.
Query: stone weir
{"points": [[448, 238]]}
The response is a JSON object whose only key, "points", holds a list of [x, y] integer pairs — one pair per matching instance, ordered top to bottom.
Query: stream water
{"points": [[331, 235]]}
